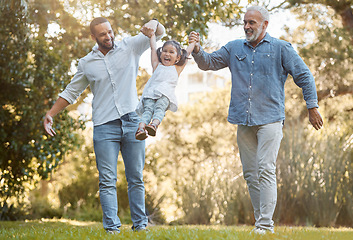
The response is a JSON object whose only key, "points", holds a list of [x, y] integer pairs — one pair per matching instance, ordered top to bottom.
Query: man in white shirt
{"points": [[111, 69]]}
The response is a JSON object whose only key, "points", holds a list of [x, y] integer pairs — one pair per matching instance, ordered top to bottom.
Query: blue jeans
{"points": [[154, 109], [108, 140], [258, 148]]}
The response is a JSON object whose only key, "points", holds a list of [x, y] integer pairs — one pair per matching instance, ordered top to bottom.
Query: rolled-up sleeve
{"points": [[77, 85]]}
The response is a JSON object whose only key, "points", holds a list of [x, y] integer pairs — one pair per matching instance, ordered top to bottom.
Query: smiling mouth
{"points": [[249, 31]]}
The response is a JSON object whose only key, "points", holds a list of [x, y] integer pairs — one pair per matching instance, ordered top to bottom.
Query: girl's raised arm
{"points": [[150, 32], [190, 48], [154, 56]]}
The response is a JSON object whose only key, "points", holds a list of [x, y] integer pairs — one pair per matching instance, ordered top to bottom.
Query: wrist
{"points": [[155, 19], [196, 48]]}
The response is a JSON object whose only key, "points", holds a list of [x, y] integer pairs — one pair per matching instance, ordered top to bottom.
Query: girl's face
{"points": [[169, 55]]}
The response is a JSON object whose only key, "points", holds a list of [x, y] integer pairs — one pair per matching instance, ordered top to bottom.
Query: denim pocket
{"points": [[240, 57], [266, 62], [240, 63], [133, 117]]}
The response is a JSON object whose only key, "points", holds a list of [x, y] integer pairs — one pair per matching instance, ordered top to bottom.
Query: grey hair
{"points": [[264, 13]]}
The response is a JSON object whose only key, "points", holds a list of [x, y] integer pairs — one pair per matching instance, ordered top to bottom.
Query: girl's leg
{"points": [[148, 105], [148, 108], [160, 108], [159, 112], [141, 133]]}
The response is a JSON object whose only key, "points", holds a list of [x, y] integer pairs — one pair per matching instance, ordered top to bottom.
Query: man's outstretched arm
{"points": [[58, 106]]}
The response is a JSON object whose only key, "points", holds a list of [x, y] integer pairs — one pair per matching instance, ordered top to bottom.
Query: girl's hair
{"points": [[181, 52]]}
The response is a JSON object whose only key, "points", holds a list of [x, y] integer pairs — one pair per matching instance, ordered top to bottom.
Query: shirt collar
{"points": [[267, 38], [95, 47]]}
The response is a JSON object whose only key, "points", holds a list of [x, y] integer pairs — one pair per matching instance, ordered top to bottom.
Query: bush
{"points": [[314, 174]]}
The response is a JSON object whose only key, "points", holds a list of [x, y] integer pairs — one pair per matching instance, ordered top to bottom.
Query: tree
{"points": [[343, 8], [179, 17], [324, 40], [325, 45], [36, 66], [30, 72]]}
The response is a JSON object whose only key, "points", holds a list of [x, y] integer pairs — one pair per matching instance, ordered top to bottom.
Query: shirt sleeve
{"points": [[140, 43], [212, 61], [301, 74], [77, 85]]}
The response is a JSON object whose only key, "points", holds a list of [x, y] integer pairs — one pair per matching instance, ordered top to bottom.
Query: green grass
{"points": [[68, 229]]}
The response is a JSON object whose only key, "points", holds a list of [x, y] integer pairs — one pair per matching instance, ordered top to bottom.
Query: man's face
{"points": [[254, 26], [104, 36]]}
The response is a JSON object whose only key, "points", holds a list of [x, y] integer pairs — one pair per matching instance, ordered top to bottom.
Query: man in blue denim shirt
{"points": [[259, 66], [110, 70]]}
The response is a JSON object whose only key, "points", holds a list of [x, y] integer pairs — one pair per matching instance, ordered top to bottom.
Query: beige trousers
{"points": [[258, 148]]}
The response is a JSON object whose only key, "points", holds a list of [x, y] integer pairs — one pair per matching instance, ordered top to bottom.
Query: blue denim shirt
{"points": [[258, 78]]}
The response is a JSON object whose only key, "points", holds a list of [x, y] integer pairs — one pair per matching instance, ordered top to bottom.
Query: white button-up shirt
{"points": [[112, 79]]}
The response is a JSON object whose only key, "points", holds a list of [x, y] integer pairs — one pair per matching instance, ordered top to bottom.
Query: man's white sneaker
{"points": [[261, 231], [113, 232]]}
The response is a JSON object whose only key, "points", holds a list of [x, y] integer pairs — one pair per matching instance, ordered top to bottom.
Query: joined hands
{"points": [[147, 31]]}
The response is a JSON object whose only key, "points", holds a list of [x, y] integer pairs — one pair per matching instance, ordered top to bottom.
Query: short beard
{"points": [[256, 34], [103, 46]]}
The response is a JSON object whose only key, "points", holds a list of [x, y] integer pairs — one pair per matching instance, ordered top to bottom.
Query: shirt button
{"points": [[254, 50], [252, 61]]}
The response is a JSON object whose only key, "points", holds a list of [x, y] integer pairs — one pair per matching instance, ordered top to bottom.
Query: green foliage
{"points": [[179, 17], [326, 46], [35, 67], [29, 70], [198, 153], [197, 157], [77, 181], [314, 182], [317, 183], [314, 186], [40, 206]]}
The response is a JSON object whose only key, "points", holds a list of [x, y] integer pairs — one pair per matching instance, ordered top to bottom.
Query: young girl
{"points": [[159, 93]]}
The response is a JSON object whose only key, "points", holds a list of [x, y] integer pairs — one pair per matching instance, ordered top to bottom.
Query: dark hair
{"points": [[96, 22], [181, 52]]}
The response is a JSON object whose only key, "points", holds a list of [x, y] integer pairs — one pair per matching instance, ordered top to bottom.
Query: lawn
{"points": [[68, 229]]}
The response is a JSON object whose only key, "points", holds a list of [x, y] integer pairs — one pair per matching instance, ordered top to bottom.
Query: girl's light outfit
{"points": [[159, 94]]}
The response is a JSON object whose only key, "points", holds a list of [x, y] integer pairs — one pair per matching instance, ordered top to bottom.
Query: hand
{"points": [[147, 31], [195, 37], [315, 118], [48, 123]]}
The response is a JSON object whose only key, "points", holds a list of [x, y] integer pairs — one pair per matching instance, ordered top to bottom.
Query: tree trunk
{"points": [[347, 18], [327, 93]]}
